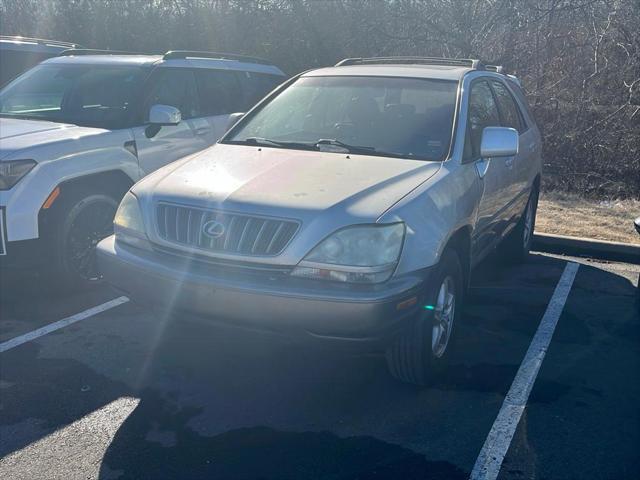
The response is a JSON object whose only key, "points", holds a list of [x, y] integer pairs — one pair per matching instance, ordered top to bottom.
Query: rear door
{"points": [[158, 147], [493, 173]]}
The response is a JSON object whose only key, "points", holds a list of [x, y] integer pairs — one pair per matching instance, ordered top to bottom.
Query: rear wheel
{"points": [[88, 220], [515, 247], [422, 349]]}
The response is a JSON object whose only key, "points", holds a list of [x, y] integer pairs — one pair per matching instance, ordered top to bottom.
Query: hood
{"points": [[17, 135], [322, 190]]}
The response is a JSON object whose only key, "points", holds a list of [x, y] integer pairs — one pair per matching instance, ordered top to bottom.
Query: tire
{"points": [[80, 224], [515, 247], [417, 355]]}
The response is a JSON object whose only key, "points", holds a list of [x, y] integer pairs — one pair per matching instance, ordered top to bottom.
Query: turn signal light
{"points": [[51, 198]]}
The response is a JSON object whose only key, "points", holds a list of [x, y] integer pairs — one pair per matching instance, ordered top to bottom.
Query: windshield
{"points": [[88, 95], [401, 117]]}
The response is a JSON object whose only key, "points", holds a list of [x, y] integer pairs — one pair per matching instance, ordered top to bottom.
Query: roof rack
{"points": [[41, 41], [95, 51], [183, 54], [462, 62], [496, 68]]}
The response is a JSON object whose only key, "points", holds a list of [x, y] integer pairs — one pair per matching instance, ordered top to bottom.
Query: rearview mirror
{"points": [[162, 115], [233, 119], [499, 142]]}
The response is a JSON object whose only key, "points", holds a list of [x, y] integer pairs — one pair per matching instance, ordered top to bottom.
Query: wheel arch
{"points": [[111, 182], [460, 242]]}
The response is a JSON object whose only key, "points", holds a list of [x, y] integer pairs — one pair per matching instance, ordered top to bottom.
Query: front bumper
{"points": [[20, 254], [23, 255], [264, 300]]}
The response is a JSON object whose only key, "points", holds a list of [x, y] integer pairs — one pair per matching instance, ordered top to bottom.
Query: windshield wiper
{"points": [[278, 143], [350, 148], [356, 149]]}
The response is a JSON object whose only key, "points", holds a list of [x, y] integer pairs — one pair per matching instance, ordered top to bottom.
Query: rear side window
{"points": [[256, 86], [175, 87], [219, 91], [523, 104], [483, 112], [511, 116]]}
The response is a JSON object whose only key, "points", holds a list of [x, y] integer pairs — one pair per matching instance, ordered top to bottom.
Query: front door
{"points": [[220, 96], [158, 146], [522, 162], [493, 173]]}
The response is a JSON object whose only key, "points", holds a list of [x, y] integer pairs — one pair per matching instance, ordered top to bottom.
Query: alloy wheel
{"points": [[92, 224], [528, 225], [443, 314]]}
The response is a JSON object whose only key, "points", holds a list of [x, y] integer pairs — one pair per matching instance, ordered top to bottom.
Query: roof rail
{"points": [[41, 41], [95, 51], [183, 54], [463, 62], [496, 68]]}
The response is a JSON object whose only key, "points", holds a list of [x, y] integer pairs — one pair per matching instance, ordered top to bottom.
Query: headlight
{"points": [[12, 171], [128, 224], [359, 254]]}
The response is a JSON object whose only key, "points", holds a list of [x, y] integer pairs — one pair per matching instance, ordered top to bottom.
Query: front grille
{"points": [[227, 233]]}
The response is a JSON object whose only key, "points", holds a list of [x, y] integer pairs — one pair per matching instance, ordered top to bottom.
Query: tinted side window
{"points": [[256, 86], [175, 87], [220, 92], [523, 105], [508, 109], [483, 112]]}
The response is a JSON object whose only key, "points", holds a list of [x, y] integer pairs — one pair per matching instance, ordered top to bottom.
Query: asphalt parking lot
{"points": [[131, 395]]}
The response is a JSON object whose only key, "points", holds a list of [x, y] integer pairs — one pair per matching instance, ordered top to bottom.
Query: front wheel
{"points": [[89, 220], [422, 349]]}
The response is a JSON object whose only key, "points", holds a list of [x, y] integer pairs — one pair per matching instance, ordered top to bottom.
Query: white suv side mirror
{"points": [[164, 115], [233, 119], [499, 142]]}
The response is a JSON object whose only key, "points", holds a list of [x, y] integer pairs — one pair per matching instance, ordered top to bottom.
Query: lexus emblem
{"points": [[213, 229]]}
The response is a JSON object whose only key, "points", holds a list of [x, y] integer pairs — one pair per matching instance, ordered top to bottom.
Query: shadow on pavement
{"points": [[233, 407]]}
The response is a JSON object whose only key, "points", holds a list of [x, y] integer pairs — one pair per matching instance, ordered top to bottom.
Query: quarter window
{"points": [[508, 109], [483, 112]]}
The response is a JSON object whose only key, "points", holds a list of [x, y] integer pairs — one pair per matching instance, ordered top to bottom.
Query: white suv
{"points": [[78, 130]]}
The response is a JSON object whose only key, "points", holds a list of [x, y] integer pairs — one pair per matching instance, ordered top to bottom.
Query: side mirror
{"points": [[162, 115], [233, 119], [499, 142], [637, 224]]}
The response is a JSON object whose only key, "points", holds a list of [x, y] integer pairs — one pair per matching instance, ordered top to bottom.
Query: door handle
{"points": [[203, 130], [509, 161]]}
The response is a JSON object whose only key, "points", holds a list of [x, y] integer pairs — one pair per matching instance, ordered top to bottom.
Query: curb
{"points": [[578, 246]]}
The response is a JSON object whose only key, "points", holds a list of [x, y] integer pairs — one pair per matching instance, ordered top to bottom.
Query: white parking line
{"points": [[52, 327], [497, 443]]}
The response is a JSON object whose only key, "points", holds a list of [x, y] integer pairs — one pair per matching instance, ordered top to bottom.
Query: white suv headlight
{"points": [[12, 171], [128, 224], [358, 254]]}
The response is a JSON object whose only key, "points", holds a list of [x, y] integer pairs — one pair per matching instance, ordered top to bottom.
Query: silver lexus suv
{"points": [[349, 205]]}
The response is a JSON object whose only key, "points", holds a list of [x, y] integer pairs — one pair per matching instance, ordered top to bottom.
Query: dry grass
{"points": [[602, 220]]}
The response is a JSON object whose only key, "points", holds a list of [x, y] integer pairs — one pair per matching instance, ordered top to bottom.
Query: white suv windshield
{"points": [[88, 95], [390, 116]]}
